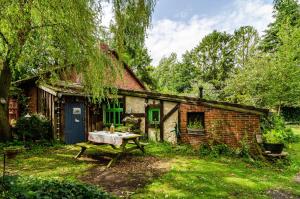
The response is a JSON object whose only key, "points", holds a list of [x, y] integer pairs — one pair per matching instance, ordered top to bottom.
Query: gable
{"points": [[125, 80], [129, 81]]}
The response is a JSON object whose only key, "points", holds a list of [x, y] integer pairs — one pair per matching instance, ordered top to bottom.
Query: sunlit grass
{"points": [[48, 162], [190, 176], [193, 177]]}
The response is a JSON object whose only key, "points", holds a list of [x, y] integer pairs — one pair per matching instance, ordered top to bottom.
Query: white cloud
{"points": [[167, 36]]}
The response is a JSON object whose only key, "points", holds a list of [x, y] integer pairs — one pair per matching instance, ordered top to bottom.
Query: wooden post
{"points": [[161, 125]]}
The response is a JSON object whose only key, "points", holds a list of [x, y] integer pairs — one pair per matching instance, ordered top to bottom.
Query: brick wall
{"points": [[127, 81], [226, 126]]}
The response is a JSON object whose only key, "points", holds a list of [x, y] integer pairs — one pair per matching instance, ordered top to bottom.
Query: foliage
{"points": [[285, 11], [132, 18], [39, 36], [245, 42], [213, 58], [208, 65], [270, 80], [195, 125], [37, 127], [275, 131], [274, 136], [215, 150], [218, 150], [30, 188]]}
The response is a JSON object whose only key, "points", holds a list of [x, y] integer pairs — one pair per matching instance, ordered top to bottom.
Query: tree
{"points": [[284, 11], [132, 18], [64, 29], [40, 35], [245, 41], [214, 59], [164, 73], [270, 80]]}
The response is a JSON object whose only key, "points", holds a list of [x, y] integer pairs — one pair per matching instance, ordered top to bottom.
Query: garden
{"points": [[48, 169]]}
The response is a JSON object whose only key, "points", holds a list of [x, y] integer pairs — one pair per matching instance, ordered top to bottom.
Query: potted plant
{"points": [[195, 127], [274, 141], [12, 151]]}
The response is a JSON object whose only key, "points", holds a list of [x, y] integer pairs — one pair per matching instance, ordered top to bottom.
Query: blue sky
{"points": [[179, 25]]}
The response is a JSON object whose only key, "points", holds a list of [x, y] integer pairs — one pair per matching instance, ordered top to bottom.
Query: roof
{"points": [[104, 47], [64, 89]]}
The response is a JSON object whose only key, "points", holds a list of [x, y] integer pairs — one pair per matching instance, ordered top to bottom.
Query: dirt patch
{"points": [[127, 175], [281, 194]]}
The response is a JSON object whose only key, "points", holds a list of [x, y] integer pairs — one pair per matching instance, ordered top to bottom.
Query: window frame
{"points": [[117, 112], [150, 116], [201, 116]]}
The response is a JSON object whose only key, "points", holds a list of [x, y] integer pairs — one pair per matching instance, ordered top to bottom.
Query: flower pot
{"points": [[195, 131], [274, 148], [11, 154]]}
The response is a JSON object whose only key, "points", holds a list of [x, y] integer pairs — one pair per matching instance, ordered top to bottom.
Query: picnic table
{"points": [[117, 140]]}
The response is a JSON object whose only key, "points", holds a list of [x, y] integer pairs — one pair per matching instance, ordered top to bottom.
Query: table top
{"points": [[106, 137]]}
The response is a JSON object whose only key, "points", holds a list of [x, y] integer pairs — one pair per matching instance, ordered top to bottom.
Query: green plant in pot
{"points": [[195, 127], [274, 140], [12, 151]]}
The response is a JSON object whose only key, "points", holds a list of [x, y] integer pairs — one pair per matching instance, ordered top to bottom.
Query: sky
{"points": [[179, 25]]}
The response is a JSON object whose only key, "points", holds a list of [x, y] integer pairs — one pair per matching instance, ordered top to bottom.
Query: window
{"points": [[113, 113], [154, 116], [195, 122]]}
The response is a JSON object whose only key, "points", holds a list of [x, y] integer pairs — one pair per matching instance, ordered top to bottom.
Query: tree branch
{"points": [[45, 25], [4, 38]]}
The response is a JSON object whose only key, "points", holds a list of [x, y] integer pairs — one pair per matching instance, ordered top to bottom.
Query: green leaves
{"points": [[132, 18], [31, 188]]}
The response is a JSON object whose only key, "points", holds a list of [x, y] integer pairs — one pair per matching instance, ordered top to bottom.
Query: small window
{"points": [[154, 116], [195, 123]]}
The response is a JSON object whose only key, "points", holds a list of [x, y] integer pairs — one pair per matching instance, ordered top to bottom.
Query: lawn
{"points": [[189, 175]]}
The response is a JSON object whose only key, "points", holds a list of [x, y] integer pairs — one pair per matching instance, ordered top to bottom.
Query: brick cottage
{"points": [[162, 117]]}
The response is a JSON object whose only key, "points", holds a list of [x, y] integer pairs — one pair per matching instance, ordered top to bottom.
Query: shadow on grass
{"points": [[198, 178]]}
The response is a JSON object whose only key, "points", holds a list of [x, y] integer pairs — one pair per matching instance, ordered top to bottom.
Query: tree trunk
{"points": [[5, 82], [279, 109]]}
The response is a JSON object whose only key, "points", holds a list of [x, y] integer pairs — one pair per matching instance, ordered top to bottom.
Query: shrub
{"points": [[37, 127], [275, 131], [274, 136], [215, 150], [32, 188]]}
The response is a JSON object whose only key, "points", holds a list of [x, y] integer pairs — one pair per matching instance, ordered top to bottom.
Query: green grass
{"points": [[48, 162], [190, 176], [194, 177]]}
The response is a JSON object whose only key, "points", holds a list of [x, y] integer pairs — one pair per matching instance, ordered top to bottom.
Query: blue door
{"points": [[74, 123]]}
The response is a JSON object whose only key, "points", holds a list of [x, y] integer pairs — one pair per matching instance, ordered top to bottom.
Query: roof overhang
{"points": [[77, 90]]}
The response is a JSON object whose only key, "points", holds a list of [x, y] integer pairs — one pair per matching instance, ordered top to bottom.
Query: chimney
{"points": [[200, 92]]}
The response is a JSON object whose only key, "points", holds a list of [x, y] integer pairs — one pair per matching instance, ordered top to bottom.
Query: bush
{"points": [[37, 127], [275, 131], [274, 136], [223, 149], [215, 150], [32, 188]]}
